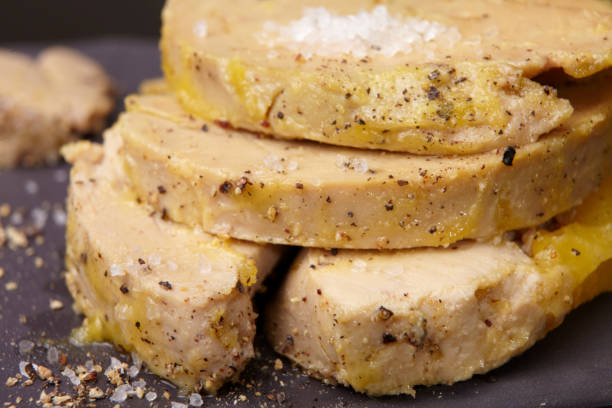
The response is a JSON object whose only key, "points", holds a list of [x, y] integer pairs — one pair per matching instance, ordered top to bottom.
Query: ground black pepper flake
{"points": [[433, 93], [348, 96], [280, 115], [361, 121], [204, 128], [509, 156], [242, 183], [402, 183], [299, 186], [226, 187], [161, 189], [389, 206], [432, 230], [334, 251], [575, 252], [141, 261], [166, 285], [240, 287], [124, 289], [319, 292], [384, 313], [488, 323], [388, 338], [289, 340]]}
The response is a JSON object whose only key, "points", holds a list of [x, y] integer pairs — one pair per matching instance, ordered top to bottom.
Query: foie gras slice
{"points": [[426, 78], [47, 102], [299, 193], [180, 298], [384, 322]]}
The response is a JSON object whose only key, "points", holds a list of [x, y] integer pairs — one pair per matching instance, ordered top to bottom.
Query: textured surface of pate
{"points": [[334, 71], [48, 101], [307, 194], [178, 297], [383, 322]]}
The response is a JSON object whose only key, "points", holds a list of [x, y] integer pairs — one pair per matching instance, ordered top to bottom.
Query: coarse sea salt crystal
{"points": [[200, 29], [320, 32], [273, 162], [342, 162], [353, 163], [292, 165], [360, 165], [60, 176], [31, 187], [59, 216], [39, 217], [16, 218], [154, 260], [359, 265], [116, 270], [25, 346], [52, 355], [136, 361], [115, 364], [89, 365], [22, 369], [133, 371], [74, 379], [121, 393], [151, 396], [195, 400], [175, 404]]}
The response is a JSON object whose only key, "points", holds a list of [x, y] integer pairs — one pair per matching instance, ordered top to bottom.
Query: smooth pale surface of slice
{"points": [[460, 86], [47, 102], [307, 194], [178, 297], [383, 322]]}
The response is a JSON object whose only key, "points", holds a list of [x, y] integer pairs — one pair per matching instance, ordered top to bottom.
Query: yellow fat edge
{"points": [[585, 243]]}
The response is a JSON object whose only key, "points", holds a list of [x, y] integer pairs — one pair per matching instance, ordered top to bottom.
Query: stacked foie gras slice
{"points": [[443, 265]]}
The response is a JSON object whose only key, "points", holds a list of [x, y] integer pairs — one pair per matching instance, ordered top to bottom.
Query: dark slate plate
{"points": [[572, 367]]}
